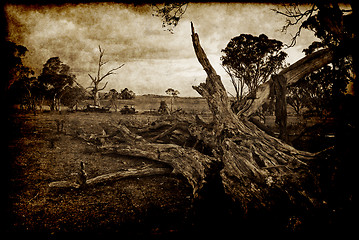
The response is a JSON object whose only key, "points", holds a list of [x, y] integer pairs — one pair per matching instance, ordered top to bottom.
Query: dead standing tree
{"points": [[98, 79]]}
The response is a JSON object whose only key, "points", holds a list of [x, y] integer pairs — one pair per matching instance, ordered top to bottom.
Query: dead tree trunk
{"points": [[97, 80], [280, 90], [251, 158], [105, 178]]}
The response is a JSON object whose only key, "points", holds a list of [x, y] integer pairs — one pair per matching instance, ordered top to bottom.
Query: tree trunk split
{"points": [[249, 162]]}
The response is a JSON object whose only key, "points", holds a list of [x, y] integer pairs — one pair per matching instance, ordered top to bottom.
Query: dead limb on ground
{"points": [[106, 178]]}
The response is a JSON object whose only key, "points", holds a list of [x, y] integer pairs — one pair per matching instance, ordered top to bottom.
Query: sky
{"points": [[154, 58]]}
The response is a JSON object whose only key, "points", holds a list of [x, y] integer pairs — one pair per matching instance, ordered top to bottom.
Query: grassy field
{"points": [[145, 103], [147, 206]]}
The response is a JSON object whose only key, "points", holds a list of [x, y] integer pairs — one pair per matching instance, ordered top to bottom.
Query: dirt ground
{"points": [[147, 205], [153, 206]]}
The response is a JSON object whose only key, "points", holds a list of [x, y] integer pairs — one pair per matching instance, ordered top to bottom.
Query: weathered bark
{"points": [[212, 90], [176, 126], [262, 126], [250, 157], [188, 162]]}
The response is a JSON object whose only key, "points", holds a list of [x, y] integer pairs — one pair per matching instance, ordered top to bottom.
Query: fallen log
{"points": [[188, 162], [105, 178]]}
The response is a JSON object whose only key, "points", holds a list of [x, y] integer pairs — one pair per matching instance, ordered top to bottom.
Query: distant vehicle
{"points": [[94, 108], [127, 110]]}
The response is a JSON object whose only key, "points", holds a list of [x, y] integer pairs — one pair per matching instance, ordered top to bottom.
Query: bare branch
{"points": [[294, 17], [101, 51], [103, 63], [110, 72], [292, 74], [93, 79], [98, 79], [236, 84], [100, 89]]}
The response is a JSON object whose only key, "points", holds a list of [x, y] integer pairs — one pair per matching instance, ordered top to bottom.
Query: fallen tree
{"points": [[253, 161], [252, 166]]}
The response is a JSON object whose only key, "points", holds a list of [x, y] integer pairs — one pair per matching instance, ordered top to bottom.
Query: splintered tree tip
{"points": [[192, 30]]}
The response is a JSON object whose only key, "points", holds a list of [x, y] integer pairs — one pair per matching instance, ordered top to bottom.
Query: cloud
{"points": [[154, 59]]}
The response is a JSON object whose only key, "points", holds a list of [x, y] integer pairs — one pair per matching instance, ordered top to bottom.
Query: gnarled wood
{"points": [[213, 89], [280, 91], [249, 155], [188, 162]]}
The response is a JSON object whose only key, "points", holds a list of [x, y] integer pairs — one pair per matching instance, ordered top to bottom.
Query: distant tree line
{"points": [[55, 86], [122, 94]]}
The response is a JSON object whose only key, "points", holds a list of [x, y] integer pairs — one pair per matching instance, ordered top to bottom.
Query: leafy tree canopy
{"points": [[331, 25], [251, 60], [16, 70], [56, 74], [172, 92], [127, 94], [72, 96]]}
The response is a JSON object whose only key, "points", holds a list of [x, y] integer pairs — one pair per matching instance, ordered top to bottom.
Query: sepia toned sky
{"points": [[154, 59]]}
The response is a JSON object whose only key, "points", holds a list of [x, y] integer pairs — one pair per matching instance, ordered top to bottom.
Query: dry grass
{"points": [[42, 155], [156, 205]]}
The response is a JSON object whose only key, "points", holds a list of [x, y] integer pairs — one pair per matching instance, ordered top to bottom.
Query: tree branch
{"points": [[298, 16], [101, 51], [110, 72], [93, 79], [103, 87], [213, 89]]}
